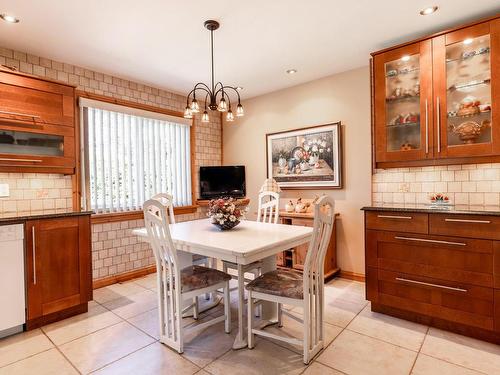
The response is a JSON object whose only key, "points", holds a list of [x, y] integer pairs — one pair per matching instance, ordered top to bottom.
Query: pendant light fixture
{"points": [[216, 95]]}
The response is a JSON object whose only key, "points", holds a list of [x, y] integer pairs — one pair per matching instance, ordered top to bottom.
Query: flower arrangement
{"points": [[439, 199], [224, 213]]}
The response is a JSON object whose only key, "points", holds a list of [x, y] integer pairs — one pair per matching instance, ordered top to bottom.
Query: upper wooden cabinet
{"points": [[437, 100], [37, 125]]}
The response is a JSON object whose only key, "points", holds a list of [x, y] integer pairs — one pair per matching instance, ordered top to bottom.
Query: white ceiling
{"points": [[163, 42]]}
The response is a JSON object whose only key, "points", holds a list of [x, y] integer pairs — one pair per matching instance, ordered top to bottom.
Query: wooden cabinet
{"points": [[435, 100], [37, 125], [58, 258], [295, 258], [442, 271]]}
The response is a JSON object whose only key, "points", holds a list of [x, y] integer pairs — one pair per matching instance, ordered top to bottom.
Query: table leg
{"points": [[269, 309], [241, 339]]}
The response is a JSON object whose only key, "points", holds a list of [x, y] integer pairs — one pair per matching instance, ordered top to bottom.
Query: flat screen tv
{"points": [[227, 181]]}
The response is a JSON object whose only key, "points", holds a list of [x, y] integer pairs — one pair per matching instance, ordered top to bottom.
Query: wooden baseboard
{"points": [[352, 275], [99, 283]]}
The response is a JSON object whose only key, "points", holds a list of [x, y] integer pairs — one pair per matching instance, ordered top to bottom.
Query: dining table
{"points": [[248, 242]]}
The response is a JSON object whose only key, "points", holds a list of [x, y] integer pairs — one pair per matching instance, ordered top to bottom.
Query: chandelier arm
{"points": [[204, 85], [228, 87], [207, 90]]}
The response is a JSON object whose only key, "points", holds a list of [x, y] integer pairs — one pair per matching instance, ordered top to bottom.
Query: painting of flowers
{"points": [[306, 158]]}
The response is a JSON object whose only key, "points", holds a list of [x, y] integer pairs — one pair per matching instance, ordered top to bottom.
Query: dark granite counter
{"points": [[445, 209], [18, 217]]}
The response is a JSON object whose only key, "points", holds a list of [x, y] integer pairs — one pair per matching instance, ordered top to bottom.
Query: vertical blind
{"points": [[130, 158]]}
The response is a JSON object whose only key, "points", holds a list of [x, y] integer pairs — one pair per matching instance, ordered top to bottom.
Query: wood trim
{"points": [[7, 69], [436, 162], [76, 177], [239, 202], [135, 215], [303, 215], [352, 276], [122, 277], [56, 316]]}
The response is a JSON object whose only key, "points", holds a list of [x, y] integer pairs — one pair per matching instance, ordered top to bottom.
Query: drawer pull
{"points": [[19, 114], [26, 160], [394, 217], [469, 221], [431, 241], [430, 284]]}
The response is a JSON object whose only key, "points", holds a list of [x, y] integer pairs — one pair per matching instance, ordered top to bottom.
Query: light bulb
{"points": [[429, 10], [9, 18], [467, 41], [405, 58], [222, 105], [195, 107], [239, 111], [188, 113], [229, 116], [204, 117]]}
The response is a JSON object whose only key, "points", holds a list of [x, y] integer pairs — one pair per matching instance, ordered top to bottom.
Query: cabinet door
{"points": [[466, 91], [403, 108], [300, 252], [58, 264]]}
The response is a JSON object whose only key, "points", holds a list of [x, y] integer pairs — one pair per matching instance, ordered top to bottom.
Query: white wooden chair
{"points": [[175, 286], [304, 290]]}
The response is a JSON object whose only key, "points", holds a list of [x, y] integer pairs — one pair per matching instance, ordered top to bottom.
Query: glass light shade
{"points": [[222, 105], [195, 107], [239, 111], [188, 113], [229, 116], [204, 117]]}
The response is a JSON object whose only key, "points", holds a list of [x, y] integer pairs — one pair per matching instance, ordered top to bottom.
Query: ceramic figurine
{"points": [[297, 169], [286, 170], [289, 207]]}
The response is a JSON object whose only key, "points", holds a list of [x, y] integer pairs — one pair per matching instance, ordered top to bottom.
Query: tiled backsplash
{"points": [[475, 184]]}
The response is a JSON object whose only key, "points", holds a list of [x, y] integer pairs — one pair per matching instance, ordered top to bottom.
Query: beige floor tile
{"points": [[148, 282], [348, 290], [115, 291], [134, 304], [340, 312], [147, 322], [72, 328], [399, 332], [23, 345], [100, 348], [464, 351], [354, 354], [265, 358], [153, 359], [50, 362], [426, 365], [317, 368], [202, 372]]}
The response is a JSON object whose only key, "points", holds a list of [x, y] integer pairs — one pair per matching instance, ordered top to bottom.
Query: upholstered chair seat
{"points": [[198, 277], [284, 283]]}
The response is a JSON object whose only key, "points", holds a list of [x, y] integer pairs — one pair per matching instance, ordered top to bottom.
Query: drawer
{"points": [[411, 222], [471, 226], [447, 258], [456, 302]]}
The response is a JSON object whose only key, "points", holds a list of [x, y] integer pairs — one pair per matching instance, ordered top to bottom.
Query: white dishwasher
{"points": [[12, 279]]}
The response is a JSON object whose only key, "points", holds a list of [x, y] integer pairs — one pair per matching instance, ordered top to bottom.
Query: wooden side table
{"points": [[295, 258]]}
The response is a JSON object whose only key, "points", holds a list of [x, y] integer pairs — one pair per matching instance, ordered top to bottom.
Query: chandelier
{"points": [[217, 95]]}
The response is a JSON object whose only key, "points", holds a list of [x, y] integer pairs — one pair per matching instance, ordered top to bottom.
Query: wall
{"points": [[343, 97], [114, 249]]}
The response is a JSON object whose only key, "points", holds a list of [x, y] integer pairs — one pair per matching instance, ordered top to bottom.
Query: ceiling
{"points": [[163, 42]]}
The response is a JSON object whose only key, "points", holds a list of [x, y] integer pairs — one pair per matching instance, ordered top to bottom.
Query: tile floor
{"points": [[119, 335]]}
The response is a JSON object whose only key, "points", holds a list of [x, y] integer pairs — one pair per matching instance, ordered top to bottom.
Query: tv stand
{"points": [[239, 202]]}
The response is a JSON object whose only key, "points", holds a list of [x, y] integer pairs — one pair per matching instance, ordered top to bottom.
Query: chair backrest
{"points": [[168, 201], [268, 211]]}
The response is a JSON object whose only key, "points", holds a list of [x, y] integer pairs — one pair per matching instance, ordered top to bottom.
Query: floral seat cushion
{"points": [[198, 277], [281, 283]]}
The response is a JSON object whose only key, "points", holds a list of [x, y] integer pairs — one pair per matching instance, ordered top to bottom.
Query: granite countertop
{"points": [[459, 209], [6, 218]]}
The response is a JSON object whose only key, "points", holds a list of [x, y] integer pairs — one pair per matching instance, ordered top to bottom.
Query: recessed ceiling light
{"points": [[428, 10], [9, 18], [467, 41], [405, 58], [291, 71], [239, 88]]}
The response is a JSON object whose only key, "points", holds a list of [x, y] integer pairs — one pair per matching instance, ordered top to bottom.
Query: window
{"points": [[130, 155]]}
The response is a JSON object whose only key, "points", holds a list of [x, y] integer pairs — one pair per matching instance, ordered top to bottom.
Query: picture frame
{"points": [[306, 158]]}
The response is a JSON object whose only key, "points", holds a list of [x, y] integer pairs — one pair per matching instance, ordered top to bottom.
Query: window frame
{"points": [[98, 218]]}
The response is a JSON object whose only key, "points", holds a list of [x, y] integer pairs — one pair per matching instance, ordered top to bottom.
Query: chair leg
{"points": [[241, 300], [195, 308], [227, 309], [280, 315], [250, 320], [307, 332]]}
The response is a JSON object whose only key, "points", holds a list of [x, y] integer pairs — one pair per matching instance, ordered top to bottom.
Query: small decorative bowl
{"points": [[227, 225]]}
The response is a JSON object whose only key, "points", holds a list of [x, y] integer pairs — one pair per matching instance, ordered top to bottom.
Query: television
{"points": [[227, 181]]}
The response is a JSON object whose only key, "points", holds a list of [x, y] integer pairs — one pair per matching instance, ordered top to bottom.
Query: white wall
{"points": [[342, 97]]}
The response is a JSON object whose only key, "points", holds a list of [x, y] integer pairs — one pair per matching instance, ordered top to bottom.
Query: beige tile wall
{"points": [[475, 184], [114, 249]]}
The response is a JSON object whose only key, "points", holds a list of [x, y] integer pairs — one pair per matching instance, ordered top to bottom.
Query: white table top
{"points": [[244, 244]]}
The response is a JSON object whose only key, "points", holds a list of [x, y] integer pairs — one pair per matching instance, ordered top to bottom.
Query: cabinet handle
{"points": [[19, 114], [438, 117], [426, 127], [26, 160], [394, 217], [469, 221], [431, 241], [33, 250], [431, 284]]}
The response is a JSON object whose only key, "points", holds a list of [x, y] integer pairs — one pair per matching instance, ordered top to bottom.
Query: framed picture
{"points": [[306, 158]]}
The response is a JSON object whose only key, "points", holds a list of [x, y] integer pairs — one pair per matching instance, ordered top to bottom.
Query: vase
{"points": [[313, 159], [282, 162], [291, 164], [227, 224]]}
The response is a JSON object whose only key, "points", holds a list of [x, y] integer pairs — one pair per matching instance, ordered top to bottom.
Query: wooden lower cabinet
{"points": [[59, 278], [448, 281]]}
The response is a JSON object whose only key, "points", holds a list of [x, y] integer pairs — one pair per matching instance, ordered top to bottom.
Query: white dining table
{"points": [[248, 242]]}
